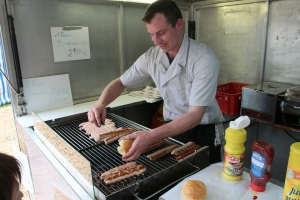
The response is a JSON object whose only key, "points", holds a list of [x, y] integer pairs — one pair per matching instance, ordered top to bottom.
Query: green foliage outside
{"points": [[3, 106]]}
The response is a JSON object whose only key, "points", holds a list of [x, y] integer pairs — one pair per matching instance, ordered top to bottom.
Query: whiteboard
{"points": [[70, 44], [47, 93]]}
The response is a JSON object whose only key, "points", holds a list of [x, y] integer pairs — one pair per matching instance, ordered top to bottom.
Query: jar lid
{"points": [[257, 188]]}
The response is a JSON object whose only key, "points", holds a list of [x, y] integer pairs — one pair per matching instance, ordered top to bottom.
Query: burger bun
{"points": [[124, 146], [194, 190]]}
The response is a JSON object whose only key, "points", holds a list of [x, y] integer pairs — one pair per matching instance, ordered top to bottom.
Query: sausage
{"points": [[102, 136], [111, 139], [154, 145], [182, 147], [189, 151], [162, 152], [190, 155], [117, 169], [136, 170], [122, 172]]}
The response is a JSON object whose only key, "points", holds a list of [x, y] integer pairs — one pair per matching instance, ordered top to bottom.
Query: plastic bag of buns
{"points": [[194, 190]]}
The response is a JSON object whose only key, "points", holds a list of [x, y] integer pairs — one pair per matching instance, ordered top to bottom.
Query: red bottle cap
{"points": [[257, 188]]}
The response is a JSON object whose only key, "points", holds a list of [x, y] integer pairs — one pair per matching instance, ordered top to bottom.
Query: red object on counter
{"points": [[229, 97], [158, 117], [261, 161]]}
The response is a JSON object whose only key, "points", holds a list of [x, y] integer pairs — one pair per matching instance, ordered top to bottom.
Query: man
{"points": [[184, 71]]}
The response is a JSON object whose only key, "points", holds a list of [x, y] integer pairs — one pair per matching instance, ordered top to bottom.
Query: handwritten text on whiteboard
{"points": [[70, 45], [47, 93]]}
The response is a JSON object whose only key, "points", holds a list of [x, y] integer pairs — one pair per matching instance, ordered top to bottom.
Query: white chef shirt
{"points": [[191, 79]]}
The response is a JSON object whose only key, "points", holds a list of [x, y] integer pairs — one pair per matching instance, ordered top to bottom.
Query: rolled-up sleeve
{"points": [[136, 74]]}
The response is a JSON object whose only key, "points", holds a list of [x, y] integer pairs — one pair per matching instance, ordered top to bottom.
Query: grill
{"points": [[161, 174]]}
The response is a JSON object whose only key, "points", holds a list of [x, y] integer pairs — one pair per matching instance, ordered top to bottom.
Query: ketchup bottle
{"points": [[261, 161]]}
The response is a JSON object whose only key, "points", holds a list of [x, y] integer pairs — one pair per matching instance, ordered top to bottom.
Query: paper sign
{"points": [[70, 44], [47, 93]]}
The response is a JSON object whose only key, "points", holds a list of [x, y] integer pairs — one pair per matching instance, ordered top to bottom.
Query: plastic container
{"points": [[229, 97], [158, 118], [235, 136], [261, 161], [292, 179]]}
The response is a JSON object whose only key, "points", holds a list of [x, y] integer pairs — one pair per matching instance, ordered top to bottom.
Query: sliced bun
{"points": [[124, 146], [194, 190]]}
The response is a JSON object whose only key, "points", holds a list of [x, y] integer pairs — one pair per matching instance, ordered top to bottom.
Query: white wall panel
{"points": [[235, 33], [283, 47]]}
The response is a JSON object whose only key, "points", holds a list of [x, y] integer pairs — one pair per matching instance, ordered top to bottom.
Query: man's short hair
{"points": [[167, 7], [9, 173]]}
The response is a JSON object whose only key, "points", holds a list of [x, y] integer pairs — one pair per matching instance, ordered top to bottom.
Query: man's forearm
{"points": [[110, 92], [179, 125]]}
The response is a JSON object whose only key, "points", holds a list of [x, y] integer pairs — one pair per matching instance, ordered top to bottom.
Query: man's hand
{"points": [[97, 115], [142, 140]]}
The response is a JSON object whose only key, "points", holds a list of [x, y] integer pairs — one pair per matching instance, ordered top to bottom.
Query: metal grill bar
{"points": [[75, 137], [104, 157]]}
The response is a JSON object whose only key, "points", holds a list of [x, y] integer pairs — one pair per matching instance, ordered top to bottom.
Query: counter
{"points": [[121, 101], [220, 188]]}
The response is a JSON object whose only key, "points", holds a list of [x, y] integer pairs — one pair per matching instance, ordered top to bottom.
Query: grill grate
{"points": [[104, 157]]}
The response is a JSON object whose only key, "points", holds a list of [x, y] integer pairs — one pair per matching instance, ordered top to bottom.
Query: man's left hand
{"points": [[141, 142]]}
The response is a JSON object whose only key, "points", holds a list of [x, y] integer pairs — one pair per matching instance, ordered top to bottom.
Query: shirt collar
{"points": [[181, 55]]}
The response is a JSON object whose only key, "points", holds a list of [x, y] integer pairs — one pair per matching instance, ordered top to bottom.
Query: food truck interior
{"points": [[256, 42]]}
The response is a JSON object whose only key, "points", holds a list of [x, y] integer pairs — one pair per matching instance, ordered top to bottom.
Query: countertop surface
{"points": [[122, 100], [219, 188]]}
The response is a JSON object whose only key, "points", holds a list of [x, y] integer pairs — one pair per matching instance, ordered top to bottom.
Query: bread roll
{"points": [[124, 146], [194, 190]]}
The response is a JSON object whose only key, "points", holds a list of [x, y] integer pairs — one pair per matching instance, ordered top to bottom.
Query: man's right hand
{"points": [[97, 115]]}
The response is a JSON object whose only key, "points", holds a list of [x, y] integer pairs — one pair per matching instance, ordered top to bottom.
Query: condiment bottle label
{"points": [[233, 164], [257, 164], [292, 174], [292, 183], [291, 192]]}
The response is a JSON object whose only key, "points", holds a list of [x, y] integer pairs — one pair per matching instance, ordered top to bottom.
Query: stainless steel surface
{"points": [[113, 31], [235, 32], [35, 47], [282, 58], [269, 87], [292, 94], [260, 101], [290, 101], [290, 108], [104, 157]]}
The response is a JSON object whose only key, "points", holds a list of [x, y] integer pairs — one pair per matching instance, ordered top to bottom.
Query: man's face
{"points": [[165, 36]]}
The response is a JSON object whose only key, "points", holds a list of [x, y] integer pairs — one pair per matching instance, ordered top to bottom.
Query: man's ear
{"points": [[180, 24]]}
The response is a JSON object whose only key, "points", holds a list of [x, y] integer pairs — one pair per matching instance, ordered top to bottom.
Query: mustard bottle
{"points": [[235, 136], [292, 179]]}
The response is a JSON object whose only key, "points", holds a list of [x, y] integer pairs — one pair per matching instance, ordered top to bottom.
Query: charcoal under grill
{"points": [[160, 174]]}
